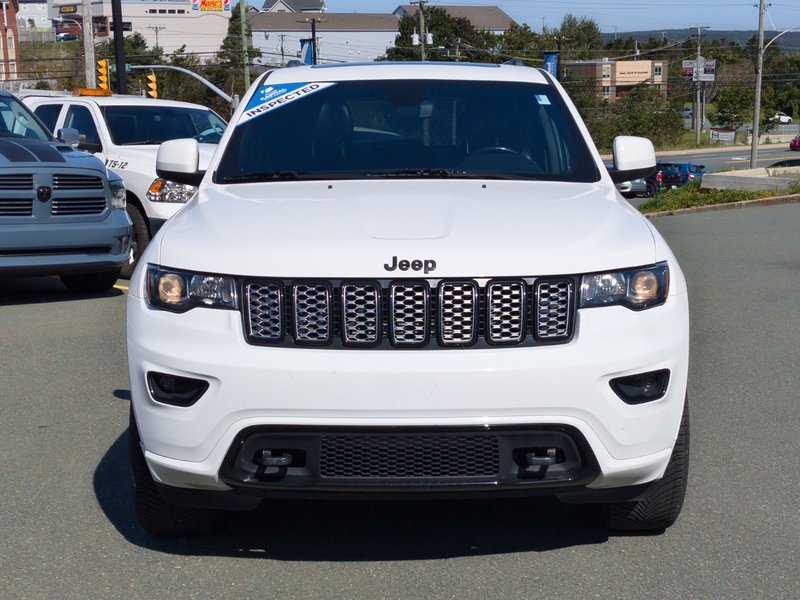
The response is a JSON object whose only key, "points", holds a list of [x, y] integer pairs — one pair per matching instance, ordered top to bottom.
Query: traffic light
{"points": [[102, 74], [152, 86]]}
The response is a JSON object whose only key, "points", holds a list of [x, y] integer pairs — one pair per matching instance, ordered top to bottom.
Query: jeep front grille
{"points": [[410, 313]]}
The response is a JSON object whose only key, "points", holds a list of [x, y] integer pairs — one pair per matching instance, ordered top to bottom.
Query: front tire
{"points": [[651, 190], [140, 237], [91, 283], [664, 499], [156, 515]]}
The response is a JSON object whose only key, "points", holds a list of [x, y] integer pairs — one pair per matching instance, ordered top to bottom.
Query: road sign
{"points": [[113, 68]]}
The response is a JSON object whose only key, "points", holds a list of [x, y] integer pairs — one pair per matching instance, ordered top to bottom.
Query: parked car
{"points": [[66, 37], [782, 118], [125, 132], [795, 143], [782, 164], [686, 172], [665, 177], [633, 188], [61, 211], [347, 314]]}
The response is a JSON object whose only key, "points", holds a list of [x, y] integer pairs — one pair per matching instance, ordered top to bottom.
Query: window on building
{"points": [[126, 26], [606, 71], [657, 71], [606, 91]]}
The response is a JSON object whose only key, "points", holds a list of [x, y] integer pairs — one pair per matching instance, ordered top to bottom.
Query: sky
{"points": [[622, 15]]}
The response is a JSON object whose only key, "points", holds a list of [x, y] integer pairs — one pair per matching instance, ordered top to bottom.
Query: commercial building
{"points": [[200, 25], [614, 80]]}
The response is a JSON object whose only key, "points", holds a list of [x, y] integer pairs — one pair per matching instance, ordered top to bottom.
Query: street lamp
{"points": [[78, 23], [759, 67]]}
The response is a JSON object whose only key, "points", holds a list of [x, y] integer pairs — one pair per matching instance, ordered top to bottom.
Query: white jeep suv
{"points": [[407, 280]]}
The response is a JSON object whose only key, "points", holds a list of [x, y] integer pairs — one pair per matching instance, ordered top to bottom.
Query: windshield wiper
{"points": [[144, 143], [432, 173], [269, 176]]}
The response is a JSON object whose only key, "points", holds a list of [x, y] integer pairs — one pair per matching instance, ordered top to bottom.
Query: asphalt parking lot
{"points": [[70, 531]]}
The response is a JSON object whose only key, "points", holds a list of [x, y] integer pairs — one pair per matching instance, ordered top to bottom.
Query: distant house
{"points": [[293, 6], [483, 18], [341, 37]]}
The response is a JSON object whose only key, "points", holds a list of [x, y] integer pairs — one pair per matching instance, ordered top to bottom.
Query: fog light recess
{"points": [[641, 388], [175, 390]]}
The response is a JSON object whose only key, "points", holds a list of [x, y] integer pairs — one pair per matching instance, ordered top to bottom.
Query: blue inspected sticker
{"points": [[270, 97], [542, 100]]}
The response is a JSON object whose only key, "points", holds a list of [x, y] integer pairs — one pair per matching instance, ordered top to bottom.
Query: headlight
{"points": [[117, 186], [162, 190], [636, 289], [179, 291]]}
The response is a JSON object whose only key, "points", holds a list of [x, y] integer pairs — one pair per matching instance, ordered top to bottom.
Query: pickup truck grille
{"points": [[77, 182], [78, 206], [16, 207], [449, 313]]}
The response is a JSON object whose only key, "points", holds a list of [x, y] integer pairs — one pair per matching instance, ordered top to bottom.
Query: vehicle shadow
{"points": [[42, 290], [318, 530]]}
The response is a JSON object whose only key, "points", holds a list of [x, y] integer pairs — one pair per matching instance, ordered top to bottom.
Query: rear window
{"points": [[406, 128]]}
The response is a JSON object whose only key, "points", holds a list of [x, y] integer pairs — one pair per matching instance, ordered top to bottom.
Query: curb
{"points": [[791, 199]]}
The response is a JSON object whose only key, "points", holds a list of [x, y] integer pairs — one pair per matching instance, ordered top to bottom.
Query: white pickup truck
{"points": [[125, 133]]}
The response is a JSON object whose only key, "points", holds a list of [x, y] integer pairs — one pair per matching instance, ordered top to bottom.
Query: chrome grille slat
{"points": [[16, 182], [77, 182], [78, 206], [16, 207], [264, 303], [553, 308], [505, 311], [312, 313], [361, 313], [458, 313], [407, 314]]}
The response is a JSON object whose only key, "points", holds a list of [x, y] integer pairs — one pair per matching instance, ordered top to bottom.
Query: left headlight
{"points": [[117, 186], [162, 190], [636, 289], [179, 291]]}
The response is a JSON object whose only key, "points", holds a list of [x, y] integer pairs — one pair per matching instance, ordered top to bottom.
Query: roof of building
{"points": [[297, 5], [490, 18], [265, 21]]}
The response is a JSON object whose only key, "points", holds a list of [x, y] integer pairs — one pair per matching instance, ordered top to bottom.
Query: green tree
{"points": [[580, 36], [453, 39], [521, 42]]}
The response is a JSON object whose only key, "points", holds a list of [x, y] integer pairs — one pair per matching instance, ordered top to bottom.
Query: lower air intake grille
{"points": [[410, 313], [409, 456]]}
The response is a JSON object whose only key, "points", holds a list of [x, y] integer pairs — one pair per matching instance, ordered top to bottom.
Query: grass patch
{"points": [[690, 195]]}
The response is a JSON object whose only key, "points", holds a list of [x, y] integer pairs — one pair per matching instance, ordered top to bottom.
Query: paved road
{"points": [[731, 158], [68, 530]]}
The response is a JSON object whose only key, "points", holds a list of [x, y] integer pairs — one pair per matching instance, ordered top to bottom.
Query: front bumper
{"points": [[65, 248], [562, 386]]}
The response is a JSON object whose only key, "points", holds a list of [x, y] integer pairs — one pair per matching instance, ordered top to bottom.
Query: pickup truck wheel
{"points": [[139, 239], [91, 283], [663, 501], [156, 515]]}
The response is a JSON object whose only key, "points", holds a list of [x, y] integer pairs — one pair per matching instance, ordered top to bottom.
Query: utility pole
{"points": [[156, 28], [422, 33], [88, 43], [119, 46], [245, 57], [283, 61], [698, 67], [757, 103]]}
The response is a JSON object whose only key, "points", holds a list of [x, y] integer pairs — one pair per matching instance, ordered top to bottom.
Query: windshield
{"points": [[17, 122], [138, 125], [406, 128]]}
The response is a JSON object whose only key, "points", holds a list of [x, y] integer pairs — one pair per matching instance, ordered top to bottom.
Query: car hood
{"points": [[15, 152], [470, 228]]}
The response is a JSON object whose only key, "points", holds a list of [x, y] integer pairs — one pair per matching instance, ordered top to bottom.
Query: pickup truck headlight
{"points": [[117, 186], [162, 190], [636, 289], [179, 291]]}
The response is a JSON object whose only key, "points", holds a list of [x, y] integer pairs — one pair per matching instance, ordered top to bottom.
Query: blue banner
{"points": [[307, 51], [551, 63]]}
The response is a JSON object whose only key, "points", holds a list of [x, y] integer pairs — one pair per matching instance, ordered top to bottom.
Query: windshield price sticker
{"points": [[270, 97]]}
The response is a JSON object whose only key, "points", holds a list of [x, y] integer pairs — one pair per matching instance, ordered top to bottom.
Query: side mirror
{"points": [[68, 136], [88, 146], [634, 158], [178, 161]]}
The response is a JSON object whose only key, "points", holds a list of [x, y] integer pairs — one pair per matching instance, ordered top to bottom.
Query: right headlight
{"points": [[162, 190], [636, 289]]}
